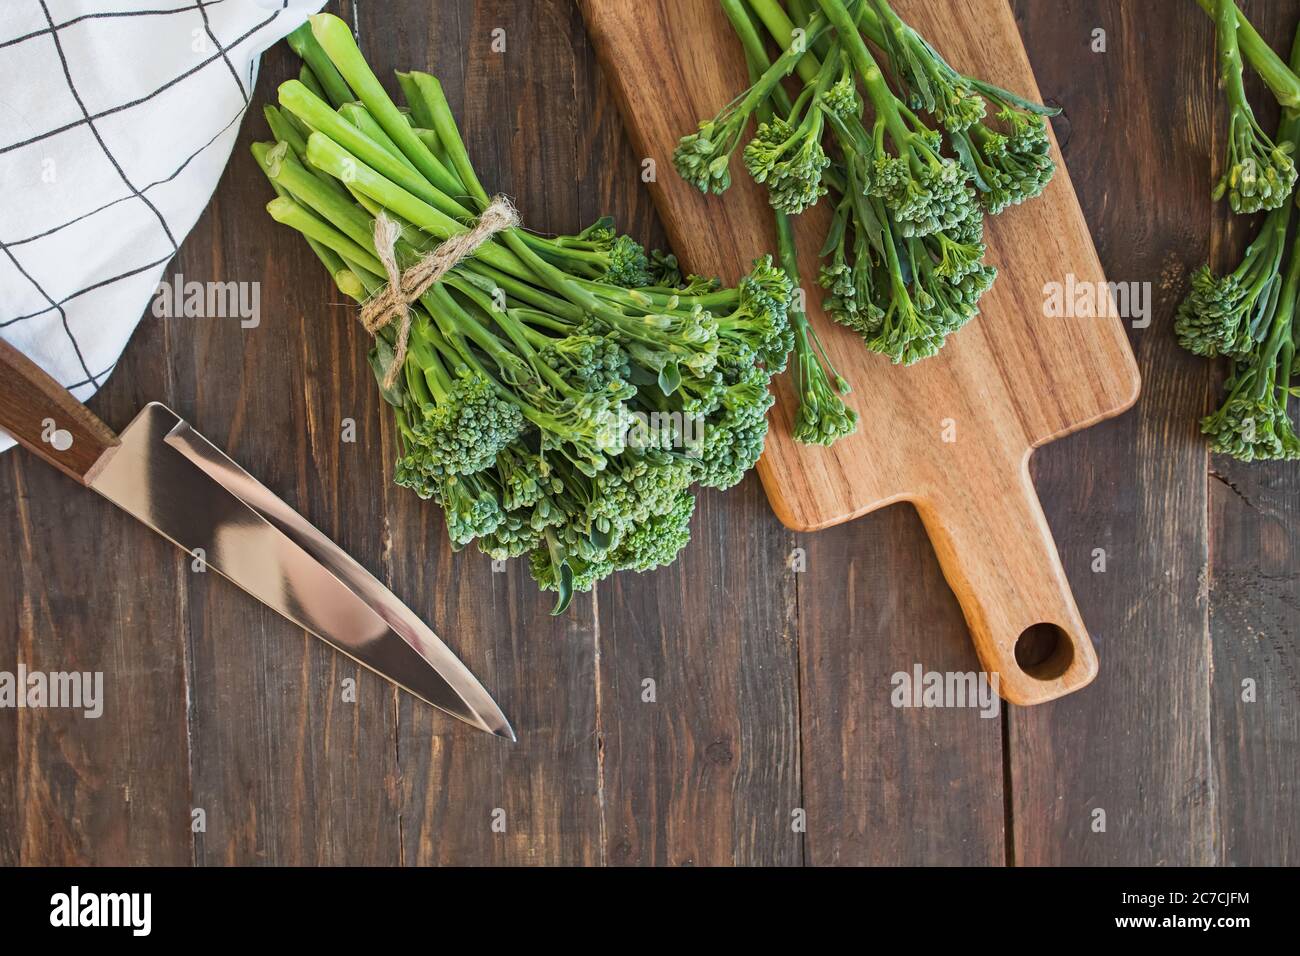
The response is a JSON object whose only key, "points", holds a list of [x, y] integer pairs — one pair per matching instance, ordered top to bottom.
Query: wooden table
{"points": [[771, 687]]}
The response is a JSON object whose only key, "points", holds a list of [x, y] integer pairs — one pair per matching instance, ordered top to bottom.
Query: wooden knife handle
{"points": [[43, 416], [998, 555]]}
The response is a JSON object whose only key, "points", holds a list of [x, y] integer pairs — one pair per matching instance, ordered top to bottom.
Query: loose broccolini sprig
{"points": [[787, 154], [703, 158], [1258, 173], [925, 190], [903, 258], [902, 291], [1224, 315], [823, 416], [1254, 422]]}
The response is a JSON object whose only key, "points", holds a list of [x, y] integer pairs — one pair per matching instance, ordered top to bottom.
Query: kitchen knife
{"points": [[163, 472]]}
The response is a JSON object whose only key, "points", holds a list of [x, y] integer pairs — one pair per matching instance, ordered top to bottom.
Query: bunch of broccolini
{"points": [[903, 260], [1248, 315], [558, 397]]}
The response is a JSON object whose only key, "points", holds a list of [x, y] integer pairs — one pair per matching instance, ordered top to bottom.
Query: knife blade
{"points": [[168, 476]]}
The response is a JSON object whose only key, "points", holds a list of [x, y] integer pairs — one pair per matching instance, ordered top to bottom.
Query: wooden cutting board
{"points": [[951, 434]]}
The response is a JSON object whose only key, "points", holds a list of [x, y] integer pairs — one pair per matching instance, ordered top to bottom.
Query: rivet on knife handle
{"points": [[44, 417]]}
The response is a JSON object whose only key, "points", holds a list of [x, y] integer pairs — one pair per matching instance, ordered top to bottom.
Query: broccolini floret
{"points": [[1223, 315]]}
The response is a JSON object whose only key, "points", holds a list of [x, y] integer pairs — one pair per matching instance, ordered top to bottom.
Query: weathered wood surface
{"points": [[771, 685], [1160, 742]]}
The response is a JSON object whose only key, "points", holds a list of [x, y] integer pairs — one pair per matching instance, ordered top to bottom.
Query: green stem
{"points": [[782, 28], [336, 39], [1230, 65], [308, 79], [1282, 80], [769, 83], [331, 84], [882, 97], [317, 114], [437, 115], [360, 117], [1289, 131], [329, 156], [284, 169], [297, 216], [522, 244], [527, 293], [1280, 333]]}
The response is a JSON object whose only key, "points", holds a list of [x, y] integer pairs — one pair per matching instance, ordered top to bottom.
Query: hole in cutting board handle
{"points": [[1044, 651]]}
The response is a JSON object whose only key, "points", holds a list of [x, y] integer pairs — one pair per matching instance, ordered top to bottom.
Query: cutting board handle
{"points": [[44, 417], [998, 555]]}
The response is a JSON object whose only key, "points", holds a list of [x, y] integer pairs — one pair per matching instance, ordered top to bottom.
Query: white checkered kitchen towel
{"points": [[116, 119]]}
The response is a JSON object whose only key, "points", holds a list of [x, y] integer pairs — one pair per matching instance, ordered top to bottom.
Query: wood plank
{"points": [[519, 119], [1254, 597], [1134, 744], [287, 771], [707, 772], [885, 786], [112, 790]]}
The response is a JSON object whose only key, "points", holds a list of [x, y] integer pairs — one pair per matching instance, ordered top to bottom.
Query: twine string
{"points": [[393, 302]]}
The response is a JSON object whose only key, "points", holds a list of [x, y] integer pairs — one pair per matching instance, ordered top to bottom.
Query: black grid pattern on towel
{"points": [[138, 194]]}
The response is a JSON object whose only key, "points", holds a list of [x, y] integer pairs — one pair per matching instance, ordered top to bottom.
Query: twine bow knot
{"points": [[393, 302]]}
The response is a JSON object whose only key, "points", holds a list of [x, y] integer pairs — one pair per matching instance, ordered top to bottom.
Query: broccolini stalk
{"points": [[308, 79], [1280, 79], [330, 85], [935, 86], [787, 154], [703, 158], [1007, 167], [1258, 174], [926, 191], [903, 294], [1224, 315], [555, 398], [822, 417]]}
